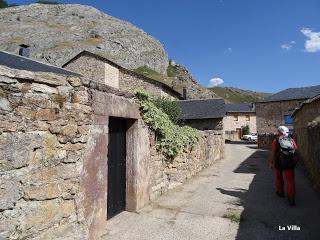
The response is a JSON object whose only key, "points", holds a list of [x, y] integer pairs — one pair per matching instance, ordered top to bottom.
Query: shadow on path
{"points": [[241, 142], [264, 211]]}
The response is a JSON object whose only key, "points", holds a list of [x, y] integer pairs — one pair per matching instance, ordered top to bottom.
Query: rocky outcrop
{"points": [[56, 33], [184, 78]]}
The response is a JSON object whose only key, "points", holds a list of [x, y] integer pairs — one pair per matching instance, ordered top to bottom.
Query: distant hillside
{"points": [[236, 95]]}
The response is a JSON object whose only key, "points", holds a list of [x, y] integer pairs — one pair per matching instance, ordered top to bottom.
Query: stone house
{"points": [[97, 67], [277, 109], [203, 114], [238, 116], [307, 134], [75, 152]]}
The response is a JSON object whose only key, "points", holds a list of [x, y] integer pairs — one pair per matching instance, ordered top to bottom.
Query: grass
{"points": [[172, 71], [150, 73], [157, 76], [232, 95], [233, 216]]}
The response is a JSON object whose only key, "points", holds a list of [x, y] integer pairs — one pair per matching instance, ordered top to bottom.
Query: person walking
{"points": [[283, 159]]}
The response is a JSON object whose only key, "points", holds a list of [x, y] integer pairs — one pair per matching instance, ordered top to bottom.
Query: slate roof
{"points": [[22, 63], [294, 94], [304, 103], [240, 107], [202, 109]]}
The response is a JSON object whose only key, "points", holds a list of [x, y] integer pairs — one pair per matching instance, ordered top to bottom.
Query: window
{"points": [[247, 117], [235, 118], [288, 119]]}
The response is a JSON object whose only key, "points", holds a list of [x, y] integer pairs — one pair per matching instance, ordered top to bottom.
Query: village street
{"points": [[239, 188]]}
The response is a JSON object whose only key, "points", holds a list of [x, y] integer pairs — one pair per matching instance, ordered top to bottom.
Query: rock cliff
{"points": [[56, 33]]}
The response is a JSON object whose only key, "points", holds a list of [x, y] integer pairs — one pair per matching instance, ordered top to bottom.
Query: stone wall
{"points": [[89, 67], [98, 69], [130, 81], [270, 115], [205, 124], [44, 130], [307, 134], [265, 140], [53, 156], [166, 174]]}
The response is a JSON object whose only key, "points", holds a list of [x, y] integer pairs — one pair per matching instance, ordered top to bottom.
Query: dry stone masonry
{"points": [[97, 67], [270, 115], [44, 127], [307, 133], [53, 155], [167, 174]]}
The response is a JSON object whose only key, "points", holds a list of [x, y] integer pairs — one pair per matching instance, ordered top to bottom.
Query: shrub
{"points": [[47, 2], [4, 4], [172, 70], [170, 107], [245, 130], [172, 139]]}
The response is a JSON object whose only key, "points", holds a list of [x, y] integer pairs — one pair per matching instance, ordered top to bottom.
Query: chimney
{"points": [[24, 50], [184, 93], [253, 107]]}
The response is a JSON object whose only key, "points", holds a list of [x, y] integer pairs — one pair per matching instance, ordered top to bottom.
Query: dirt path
{"points": [[234, 199]]}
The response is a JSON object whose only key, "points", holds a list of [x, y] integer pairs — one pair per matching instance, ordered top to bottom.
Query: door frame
{"points": [[131, 158]]}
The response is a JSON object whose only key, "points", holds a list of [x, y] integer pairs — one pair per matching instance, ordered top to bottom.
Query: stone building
{"points": [[97, 67], [277, 109], [204, 114], [238, 116], [307, 134], [61, 139]]}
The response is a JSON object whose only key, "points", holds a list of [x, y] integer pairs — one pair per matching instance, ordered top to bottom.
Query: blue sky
{"points": [[251, 44]]}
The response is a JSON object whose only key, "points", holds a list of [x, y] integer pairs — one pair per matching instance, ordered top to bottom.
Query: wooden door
{"points": [[116, 167]]}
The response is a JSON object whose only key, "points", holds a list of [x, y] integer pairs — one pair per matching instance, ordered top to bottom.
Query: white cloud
{"points": [[313, 43], [288, 46], [215, 82]]}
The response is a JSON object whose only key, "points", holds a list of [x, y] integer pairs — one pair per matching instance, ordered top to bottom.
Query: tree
{"points": [[3, 4]]}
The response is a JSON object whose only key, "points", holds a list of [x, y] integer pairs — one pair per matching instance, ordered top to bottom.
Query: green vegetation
{"points": [[47, 2], [4, 4], [172, 70], [150, 73], [168, 80], [234, 95], [170, 107], [245, 130], [172, 139], [234, 216]]}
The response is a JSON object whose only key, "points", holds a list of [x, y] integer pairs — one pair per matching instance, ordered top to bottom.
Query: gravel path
{"points": [[234, 199]]}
